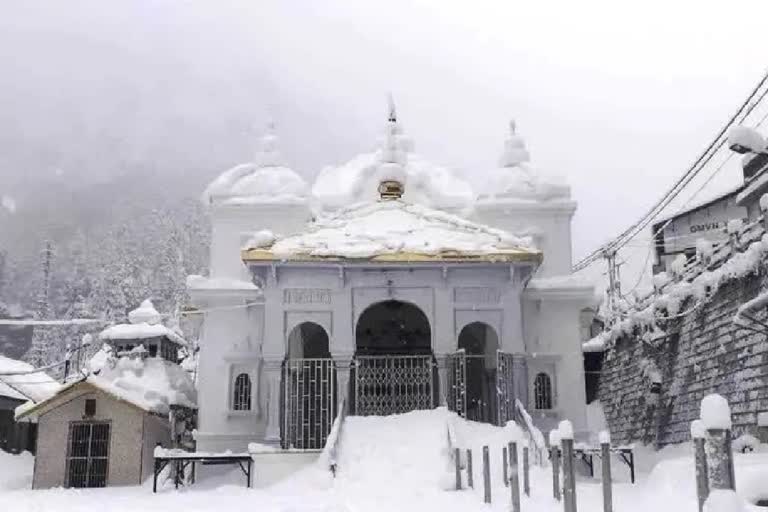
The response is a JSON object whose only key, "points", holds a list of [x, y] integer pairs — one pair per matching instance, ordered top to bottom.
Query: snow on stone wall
{"points": [[703, 352]]}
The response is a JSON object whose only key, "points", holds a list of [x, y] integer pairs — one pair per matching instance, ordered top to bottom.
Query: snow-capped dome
{"points": [[358, 179], [516, 179], [265, 180], [145, 313]]}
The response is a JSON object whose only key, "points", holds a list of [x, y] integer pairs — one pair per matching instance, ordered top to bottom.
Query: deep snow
{"points": [[399, 463]]}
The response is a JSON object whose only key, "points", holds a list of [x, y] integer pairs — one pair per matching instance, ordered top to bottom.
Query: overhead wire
{"points": [[652, 243], [613, 245]]}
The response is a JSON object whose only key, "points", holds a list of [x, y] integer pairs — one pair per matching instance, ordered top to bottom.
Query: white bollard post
{"points": [[716, 417], [699, 434], [554, 450], [605, 456], [526, 474], [486, 475], [514, 477], [569, 477]]}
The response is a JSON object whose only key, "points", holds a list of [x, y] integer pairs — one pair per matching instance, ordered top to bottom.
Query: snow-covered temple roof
{"points": [[515, 179], [266, 180], [393, 230], [145, 322], [151, 384], [35, 386]]}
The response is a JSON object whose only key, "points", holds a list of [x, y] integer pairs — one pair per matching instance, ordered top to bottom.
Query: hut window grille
{"points": [[542, 391], [242, 393], [88, 454]]}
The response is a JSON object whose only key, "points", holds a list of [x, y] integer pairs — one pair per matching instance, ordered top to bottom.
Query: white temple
{"points": [[389, 284]]}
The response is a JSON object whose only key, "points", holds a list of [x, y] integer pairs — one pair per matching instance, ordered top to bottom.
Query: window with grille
{"points": [[542, 391], [242, 393], [88, 454]]}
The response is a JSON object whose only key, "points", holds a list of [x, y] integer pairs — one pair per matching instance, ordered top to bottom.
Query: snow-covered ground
{"points": [[398, 463]]}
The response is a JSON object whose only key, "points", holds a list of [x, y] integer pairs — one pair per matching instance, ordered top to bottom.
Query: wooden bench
{"points": [[182, 459]]}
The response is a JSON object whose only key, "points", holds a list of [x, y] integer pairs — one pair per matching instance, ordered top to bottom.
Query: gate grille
{"points": [[393, 384], [505, 387], [456, 393], [309, 402], [88, 454]]}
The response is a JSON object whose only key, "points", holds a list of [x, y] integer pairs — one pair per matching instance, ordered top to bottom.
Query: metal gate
{"points": [[393, 384], [505, 387], [456, 394], [490, 399], [308, 402], [88, 454]]}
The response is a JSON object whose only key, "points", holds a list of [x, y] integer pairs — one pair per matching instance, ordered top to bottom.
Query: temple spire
{"points": [[392, 110], [267, 152], [515, 152], [392, 159]]}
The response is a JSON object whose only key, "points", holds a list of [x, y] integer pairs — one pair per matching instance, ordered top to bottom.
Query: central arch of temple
{"points": [[394, 367]]}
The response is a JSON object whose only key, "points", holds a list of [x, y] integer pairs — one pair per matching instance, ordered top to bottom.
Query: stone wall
{"points": [[703, 352]]}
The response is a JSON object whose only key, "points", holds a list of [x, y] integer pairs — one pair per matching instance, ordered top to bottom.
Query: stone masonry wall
{"points": [[703, 352]]}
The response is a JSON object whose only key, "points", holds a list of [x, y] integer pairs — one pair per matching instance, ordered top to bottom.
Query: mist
{"points": [[617, 97]]}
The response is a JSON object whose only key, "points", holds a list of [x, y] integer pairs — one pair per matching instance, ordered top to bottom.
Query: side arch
{"points": [[308, 340], [480, 343]]}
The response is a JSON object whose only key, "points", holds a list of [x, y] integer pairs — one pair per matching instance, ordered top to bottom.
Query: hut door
{"points": [[457, 382], [504, 388], [87, 454]]}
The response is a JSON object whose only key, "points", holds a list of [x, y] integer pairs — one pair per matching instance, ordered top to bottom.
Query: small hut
{"points": [[101, 428]]}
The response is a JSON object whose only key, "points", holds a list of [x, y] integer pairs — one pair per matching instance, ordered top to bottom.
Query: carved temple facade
{"points": [[384, 306]]}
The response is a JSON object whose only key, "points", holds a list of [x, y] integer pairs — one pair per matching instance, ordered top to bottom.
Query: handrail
{"points": [[536, 436], [333, 443]]}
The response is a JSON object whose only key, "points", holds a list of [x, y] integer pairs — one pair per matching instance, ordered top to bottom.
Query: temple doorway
{"points": [[394, 369], [473, 374], [309, 392]]}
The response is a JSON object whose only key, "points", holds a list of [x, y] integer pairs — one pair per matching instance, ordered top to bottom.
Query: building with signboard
{"points": [[678, 234]]}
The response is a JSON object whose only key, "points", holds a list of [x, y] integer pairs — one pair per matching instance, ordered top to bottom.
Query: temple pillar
{"points": [[272, 372], [442, 378], [520, 378]]}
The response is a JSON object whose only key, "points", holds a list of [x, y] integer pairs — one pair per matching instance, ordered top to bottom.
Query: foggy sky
{"points": [[617, 97]]}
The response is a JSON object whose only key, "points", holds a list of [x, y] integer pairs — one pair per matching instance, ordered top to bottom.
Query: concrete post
{"points": [[343, 365], [272, 368], [716, 418], [698, 434], [554, 451], [605, 457], [457, 459], [720, 459], [504, 465], [486, 475], [470, 476], [526, 476], [514, 477], [569, 477]]}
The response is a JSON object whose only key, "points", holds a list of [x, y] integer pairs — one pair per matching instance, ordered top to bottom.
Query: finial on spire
{"points": [[392, 110], [515, 152], [267, 153], [392, 159]]}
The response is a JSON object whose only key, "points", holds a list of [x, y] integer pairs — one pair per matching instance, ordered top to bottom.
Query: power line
{"points": [[745, 108]]}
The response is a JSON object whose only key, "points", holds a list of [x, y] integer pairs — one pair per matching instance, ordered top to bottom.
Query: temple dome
{"points": [[358, 179], [516, 179], [266, 180]]}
